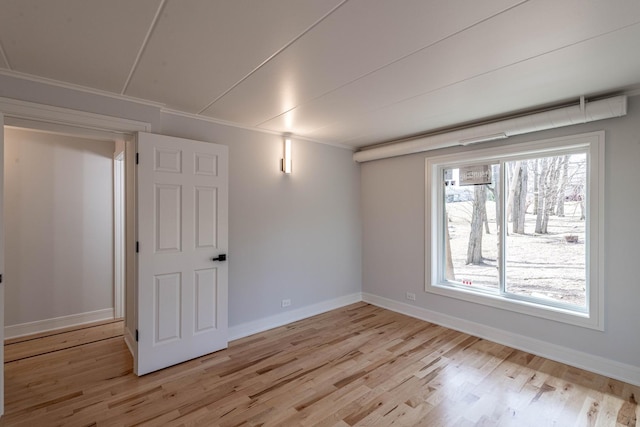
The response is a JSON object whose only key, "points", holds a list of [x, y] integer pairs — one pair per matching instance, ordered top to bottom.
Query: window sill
{"points": [[556, 314]]}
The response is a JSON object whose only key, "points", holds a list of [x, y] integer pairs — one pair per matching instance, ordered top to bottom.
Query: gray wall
{"points": [[59, 226], [317, 235], [296, 237], [394, 249]]}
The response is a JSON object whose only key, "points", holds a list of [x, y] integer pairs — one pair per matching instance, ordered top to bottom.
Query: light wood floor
{"points": [[359, 365]]}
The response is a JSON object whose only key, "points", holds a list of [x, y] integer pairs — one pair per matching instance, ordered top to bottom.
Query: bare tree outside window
{"points": [[545, 242]]}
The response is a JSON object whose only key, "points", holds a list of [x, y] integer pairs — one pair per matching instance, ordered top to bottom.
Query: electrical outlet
{"points": [[411, 296], [286, 303]]}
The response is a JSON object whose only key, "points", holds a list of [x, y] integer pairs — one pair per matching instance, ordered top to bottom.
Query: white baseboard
{"points": [[277, 320], [22, 329], [129, 340], [586, 361]]}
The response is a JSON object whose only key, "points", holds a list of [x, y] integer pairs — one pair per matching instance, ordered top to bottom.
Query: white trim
{"points": [[79, 88], [13, 108], [251, 128], [62, 130], [593, 144], [119, 250], [131, 264], [277, 320], [38, 326], [129, 340], [599, 365]]}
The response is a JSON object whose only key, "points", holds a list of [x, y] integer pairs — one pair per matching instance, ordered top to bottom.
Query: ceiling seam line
{"points": [[143, 47], [273, 55], [540, 55], [4, 56], [394, 61], [479, 75]]}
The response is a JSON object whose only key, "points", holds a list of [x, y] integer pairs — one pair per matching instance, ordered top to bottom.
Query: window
{"points": [[520, 227]]}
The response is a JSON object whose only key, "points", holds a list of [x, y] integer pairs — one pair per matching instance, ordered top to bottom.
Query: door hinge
{"points": [[137, 158], [137, 247], [0, 278], [136, 335]]}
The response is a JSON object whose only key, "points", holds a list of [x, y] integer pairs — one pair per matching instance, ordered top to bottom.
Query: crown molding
{"points": [[78, 88], [162, 107]]}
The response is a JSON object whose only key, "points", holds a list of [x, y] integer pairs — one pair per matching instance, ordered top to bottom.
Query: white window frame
{"points": [[593, 144]]}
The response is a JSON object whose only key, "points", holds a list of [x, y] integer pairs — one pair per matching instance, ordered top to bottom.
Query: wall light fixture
{"points": [[285, 163]]}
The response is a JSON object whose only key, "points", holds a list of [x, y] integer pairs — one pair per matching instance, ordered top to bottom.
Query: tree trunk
{"points": [[536, 178], [513, 183], [563, 186], [495, 191], [551, 191], [497, 195], [540, 197], [520, 198], [485, 220], [474, 251], [449, 272]]}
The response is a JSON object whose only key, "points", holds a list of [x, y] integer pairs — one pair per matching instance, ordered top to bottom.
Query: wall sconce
{"points": [[285, 162]]}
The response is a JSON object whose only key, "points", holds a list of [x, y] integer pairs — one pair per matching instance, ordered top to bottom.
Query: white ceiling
{"points": [[349, 72]]}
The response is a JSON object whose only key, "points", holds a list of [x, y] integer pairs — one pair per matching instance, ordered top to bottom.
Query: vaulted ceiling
{"points": [[351, 72]]}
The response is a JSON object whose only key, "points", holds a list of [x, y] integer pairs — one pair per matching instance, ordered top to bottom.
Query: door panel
{"points": [[206, 199], [168, 219], [182, 225], [206, 283], [167, 307]]}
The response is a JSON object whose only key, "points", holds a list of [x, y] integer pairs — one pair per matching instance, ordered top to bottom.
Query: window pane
{"points": [[471, 235], [545, 244]]}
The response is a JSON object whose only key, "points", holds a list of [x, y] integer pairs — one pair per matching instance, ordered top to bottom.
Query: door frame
{"points": [[54, 119], [119, 231]]}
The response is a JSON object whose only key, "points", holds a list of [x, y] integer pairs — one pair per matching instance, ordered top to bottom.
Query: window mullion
{"points": [[442, 219], [503, 228]]}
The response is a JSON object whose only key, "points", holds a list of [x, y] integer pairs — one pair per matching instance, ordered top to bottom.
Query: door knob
{"points": [[221, 257]]}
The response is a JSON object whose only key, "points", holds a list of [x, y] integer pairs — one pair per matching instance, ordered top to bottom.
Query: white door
{"points": [[182, 202], [2, 264]]}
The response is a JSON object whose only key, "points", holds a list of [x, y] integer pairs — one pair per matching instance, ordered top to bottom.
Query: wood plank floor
{"points": [[34, 345], [359, 365]]}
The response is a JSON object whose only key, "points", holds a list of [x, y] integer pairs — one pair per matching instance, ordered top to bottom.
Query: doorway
{"points": [[57, 119], [60, 209]]}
